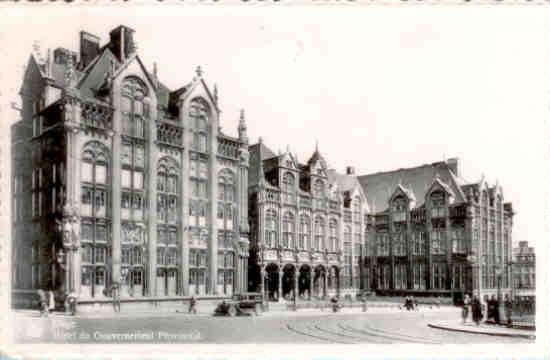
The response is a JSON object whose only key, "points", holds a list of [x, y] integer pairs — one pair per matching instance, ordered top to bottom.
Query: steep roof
{"points": [[255, 151], [345, 182], [380, 186]]}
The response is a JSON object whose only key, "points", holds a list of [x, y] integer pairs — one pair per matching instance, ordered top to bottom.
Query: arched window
{"points": [[134, 107], [199, 114], [288, 188], [319, 188], [319, 193], [271, 228], [288, 230], [305, 231], [320, 232], [333, 235]]}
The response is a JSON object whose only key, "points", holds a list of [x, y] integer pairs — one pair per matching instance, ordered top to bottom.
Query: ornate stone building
{"points": [[117, 178], [307, 226], [438, 234], [524, 270]]}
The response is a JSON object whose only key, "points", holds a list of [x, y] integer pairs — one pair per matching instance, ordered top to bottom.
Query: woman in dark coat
{"points": [[477, 314]]}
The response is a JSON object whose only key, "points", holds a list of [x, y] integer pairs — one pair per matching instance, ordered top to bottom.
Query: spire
{"points": [[36, 51], [49, 64], [198, 72], [70, 73], [155, 74], [215, 95], [242, 128], [316, 146], [261, 175]]}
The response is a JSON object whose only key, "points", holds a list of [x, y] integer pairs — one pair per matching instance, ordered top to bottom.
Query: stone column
{"points": [[115, 172], [213, 184], [151, 192], [184, 209], [449, 244], [428, 272], [296, 274], [311, 280], [280, 285], [325, 290]]}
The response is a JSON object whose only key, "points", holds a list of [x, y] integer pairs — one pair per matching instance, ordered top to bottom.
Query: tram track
{"points": [[392, 337], [332, 341]]}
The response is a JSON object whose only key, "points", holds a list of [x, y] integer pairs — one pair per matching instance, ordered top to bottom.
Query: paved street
{"points": [[305, 327]]}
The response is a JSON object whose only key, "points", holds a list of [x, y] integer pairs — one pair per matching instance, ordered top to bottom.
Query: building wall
{"points": [[123, 226]]}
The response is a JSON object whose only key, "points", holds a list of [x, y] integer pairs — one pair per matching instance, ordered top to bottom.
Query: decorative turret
{"points": [[70, 73], [242, 128]]}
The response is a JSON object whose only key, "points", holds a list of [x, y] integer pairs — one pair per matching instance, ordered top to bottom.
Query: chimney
{"points": [[122, 42], [89, 48], [60, 56], [454, 165], [350, 170]]}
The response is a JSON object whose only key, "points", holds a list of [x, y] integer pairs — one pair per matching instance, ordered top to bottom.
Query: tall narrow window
{"points": [[134, 108], [288, 188], [94, 204], [271, 228], [288, 230], [305, 232], [320, 233], [333, 235]]}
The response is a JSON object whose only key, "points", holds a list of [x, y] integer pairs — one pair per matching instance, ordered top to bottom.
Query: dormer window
{"points": [[134, 107], [288, 188], [437, 200], [399, 208]]}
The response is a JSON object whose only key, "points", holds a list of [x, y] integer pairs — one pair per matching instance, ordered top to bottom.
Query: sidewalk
{"points": [[208, 311], [485, 329]]}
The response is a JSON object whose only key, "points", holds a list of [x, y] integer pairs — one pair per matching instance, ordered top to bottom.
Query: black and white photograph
{"points": [[320, 175]]}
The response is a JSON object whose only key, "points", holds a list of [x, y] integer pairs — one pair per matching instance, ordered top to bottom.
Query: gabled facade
{"points": [[126, 181], [308, 227], [437, 234], [524, 269]]}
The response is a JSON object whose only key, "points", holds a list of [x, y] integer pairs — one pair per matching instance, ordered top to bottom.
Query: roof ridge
{"points": [[403, 169]]}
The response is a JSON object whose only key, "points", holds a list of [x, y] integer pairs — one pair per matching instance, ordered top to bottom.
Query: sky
{"points": [[378, 87]]}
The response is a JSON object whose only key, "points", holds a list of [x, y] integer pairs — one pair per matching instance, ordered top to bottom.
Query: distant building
{"points": [[117, 178], [308, 226], [437, 234], [524, 271]]}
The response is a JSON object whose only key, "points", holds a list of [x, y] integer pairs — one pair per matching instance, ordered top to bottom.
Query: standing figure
{"points": [[116, 296], [51, 302], [43, 303], [193, 305], [508, 306], [465, 308], [477, 313]]}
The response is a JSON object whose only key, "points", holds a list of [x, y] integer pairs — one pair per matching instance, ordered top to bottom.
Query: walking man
{"points": [[43, 303], [508, 310]]}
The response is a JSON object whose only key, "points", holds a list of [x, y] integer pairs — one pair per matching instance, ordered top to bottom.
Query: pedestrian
{"points": [[115, 292], [364, 300], [51, 301], [42, 302], [193, 305], [508, 305], [465, 308], [496, 309], [477, 313]]}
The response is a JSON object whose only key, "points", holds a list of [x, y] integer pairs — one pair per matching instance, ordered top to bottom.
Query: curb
{"points": [[447, 328]]}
